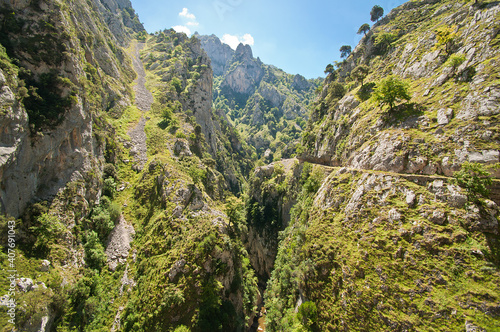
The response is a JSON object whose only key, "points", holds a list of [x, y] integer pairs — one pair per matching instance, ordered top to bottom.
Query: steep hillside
{"points": [[268, 106], [120, 186], [386, 243]]}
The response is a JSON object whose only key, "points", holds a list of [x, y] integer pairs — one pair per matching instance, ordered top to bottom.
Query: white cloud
{"points": [[185, 13], [194, 24], [182, 28], [247, 39], [234, 41]]}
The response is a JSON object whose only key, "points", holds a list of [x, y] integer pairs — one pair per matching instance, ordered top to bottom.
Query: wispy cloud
{"points": [[185, 13], [194, 24], [233, 41]]}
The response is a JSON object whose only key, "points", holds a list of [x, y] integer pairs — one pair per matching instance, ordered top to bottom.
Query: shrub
{"points": [[446, 36], [382, 41], [455, 60], [360, 72], [177, 84], [335, 91], [365, 91], [110, 171], [197, 174], [474, 178], [313, 182], [109, 187], [115, 210], [101, 222], [47, 231], [94, 252], [308, 313]]}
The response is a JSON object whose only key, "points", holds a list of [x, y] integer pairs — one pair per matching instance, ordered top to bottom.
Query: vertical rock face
{"points": [[119, 15], [244, 76], [200, 101], [42, 150]]}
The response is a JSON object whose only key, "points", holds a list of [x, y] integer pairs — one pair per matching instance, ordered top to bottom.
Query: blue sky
{"points": [[300, 37]]}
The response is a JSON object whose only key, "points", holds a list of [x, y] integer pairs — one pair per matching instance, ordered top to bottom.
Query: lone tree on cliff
{"points": [[376, 13], [364, 29], [345, 50], [329, 69], [360, 72], [390, 90]]}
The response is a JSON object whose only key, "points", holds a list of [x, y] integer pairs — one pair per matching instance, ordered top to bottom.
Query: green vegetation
{"points": [[376, 13], [363, 29], [446, 37], [345, 51], [454, 61], [360, 72], [391, 90], [475, 179]]}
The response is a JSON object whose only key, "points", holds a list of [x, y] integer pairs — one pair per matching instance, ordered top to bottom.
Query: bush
{"points": [[383, 41], [455, 60], [335, 91], [365, 91], [109, 171], [197, 174], [474, 178], [313, 182], [109, 187], [115, 210], [102, 223], [47, 231], [94, 252], [308, 313]]}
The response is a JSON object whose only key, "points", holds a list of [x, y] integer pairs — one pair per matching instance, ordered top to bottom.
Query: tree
{"points": [[376, 13], [364, 29], [446, 36], [383, 40], [345, 50], [329, 69], [360, 72], [390, 90], [335, 91], [307, 313]]}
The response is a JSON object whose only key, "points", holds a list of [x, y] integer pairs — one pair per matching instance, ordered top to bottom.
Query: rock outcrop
{"points": [[41, 155]]}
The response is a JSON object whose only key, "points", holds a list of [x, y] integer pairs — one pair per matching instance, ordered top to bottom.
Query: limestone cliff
{"points": [[220, 54], [61, 57], [263, 98], [451, 117]]}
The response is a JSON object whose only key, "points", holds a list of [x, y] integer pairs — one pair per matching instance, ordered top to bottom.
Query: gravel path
{"points": [[143, 101]]}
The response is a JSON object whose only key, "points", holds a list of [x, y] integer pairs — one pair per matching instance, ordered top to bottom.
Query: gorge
{"points": [[160, 182]]}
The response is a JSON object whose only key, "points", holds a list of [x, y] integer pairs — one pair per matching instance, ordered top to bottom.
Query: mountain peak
{"points": [[244, 51]]}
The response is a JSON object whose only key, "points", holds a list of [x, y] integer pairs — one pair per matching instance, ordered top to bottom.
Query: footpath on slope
{"points": [[143, 101], [421, 179], [118, 245]]}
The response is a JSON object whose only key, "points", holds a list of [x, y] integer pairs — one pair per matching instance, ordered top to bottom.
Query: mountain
{"points": [[268, 106], [118, 176], [382, 237]]}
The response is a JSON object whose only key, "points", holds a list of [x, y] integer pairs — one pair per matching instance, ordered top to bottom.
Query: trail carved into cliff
{"points": [[143, 101]]}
